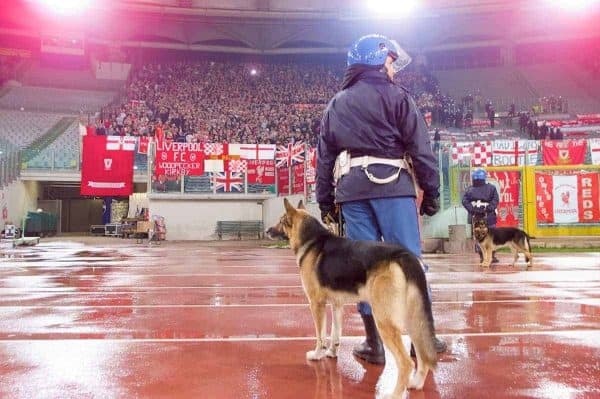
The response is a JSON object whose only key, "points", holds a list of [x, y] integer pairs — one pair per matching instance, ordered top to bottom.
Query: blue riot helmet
{"points": [[374, 49], [479, 174]]}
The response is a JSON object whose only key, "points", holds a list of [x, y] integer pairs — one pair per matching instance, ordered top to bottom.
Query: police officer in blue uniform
{"points": [[367, 130], [481, 199]]}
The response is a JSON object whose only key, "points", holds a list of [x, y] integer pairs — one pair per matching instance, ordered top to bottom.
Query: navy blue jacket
{"points": [[378, 118], [486, 193]]}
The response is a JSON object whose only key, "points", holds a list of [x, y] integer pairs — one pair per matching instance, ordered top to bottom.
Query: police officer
{"points": [[366, 131], [481, 199]]}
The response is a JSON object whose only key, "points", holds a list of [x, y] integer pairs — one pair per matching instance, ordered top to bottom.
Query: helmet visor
{"points": [[401, 58]]}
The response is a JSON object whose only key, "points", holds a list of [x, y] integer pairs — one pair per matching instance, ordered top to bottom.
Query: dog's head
{"points": [[289, 223], [480, 228]]}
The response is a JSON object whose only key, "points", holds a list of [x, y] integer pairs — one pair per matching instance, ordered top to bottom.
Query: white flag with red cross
{"points": [[253, 151]]}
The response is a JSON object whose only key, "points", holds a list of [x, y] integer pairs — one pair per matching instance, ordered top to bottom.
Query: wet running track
{"points": [[230, 321]]}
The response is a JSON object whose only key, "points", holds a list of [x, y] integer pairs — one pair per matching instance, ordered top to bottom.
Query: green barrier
{"points": [[39, 224]]}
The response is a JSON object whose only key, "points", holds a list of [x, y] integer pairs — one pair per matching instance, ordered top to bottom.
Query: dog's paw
{"points": [[331, 352], [315, 355], [416, 382], [394, 396]]}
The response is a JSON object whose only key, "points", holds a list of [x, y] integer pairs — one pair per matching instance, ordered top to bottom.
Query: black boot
{"points": [[494, 259], [440, 347], [372, 349]]}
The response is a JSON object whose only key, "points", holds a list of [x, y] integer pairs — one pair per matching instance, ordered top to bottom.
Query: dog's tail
{"points": [[419, 315]]}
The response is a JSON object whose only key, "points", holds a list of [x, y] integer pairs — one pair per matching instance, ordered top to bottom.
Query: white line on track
{"points": [[435, 287], [583, 301], [573, 333]]}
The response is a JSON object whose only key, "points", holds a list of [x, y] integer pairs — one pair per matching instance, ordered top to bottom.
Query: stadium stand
{"points": [[80, 79], [556, 79], [499, 84], [55, 100], [22, 128], [63, 153]]}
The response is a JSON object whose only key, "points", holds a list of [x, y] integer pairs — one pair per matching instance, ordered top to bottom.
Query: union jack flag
{"points": [[291, 154], [228, 182]]}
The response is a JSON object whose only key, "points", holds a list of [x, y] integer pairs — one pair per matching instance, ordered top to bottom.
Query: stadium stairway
{"points": [[46, 139]]}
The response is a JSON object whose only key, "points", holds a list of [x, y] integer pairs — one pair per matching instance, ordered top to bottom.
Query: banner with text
{"points": [[565, 152], [179, 159], [261, 171], [298, 179], [283, 180], [508, 185], [567, 198]]}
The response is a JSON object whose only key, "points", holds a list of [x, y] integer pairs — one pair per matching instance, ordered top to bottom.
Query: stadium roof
{"points": [[301, 26]]}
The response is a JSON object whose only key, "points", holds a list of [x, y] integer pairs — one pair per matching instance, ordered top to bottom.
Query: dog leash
{"points": [[336, 228]]}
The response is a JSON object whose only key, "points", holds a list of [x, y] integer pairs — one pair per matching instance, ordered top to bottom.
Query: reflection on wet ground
{"points": [[204, 321]]}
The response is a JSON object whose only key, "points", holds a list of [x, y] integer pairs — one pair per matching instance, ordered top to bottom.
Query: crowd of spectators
{"points": [[237, 102], [264, 103]]}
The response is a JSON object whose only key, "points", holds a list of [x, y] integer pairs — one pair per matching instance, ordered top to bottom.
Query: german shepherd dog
{"points": [[490, 238], [336, 270]]}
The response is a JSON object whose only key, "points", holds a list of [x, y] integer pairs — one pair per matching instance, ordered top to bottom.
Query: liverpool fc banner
{"points": [[565, 152], [179, 159], [107, 166], [567, 198]]}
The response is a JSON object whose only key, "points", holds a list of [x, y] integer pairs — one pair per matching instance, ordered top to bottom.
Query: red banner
{"points": [[589, 119], [143, 145], [564, 152], [179, 159], [107, 166], [311, 166], [261, 171], [298, 176], [283, 181], [509, 190], [589, 197], [543, 198], [567, 198]]}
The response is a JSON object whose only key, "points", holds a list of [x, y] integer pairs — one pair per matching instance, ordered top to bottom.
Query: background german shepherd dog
{"points": [[490, 238], [337, 271]]}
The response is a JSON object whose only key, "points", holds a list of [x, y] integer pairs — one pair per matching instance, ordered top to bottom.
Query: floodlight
{"points": [[574, 5], [67, 7], [392, 8], [253, 72]]}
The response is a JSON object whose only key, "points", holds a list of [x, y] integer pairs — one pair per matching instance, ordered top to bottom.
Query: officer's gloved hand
{"points": [[430, 205], [329, 213]]}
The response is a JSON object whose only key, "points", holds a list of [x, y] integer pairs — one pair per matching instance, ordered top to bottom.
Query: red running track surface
{"points": [[231, 321]]}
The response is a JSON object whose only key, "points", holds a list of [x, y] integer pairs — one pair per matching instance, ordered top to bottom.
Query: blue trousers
{"points": [[392, 220]]}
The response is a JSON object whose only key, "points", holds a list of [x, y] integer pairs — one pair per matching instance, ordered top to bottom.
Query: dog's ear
{"points": [[301, 205], [288, 207]]}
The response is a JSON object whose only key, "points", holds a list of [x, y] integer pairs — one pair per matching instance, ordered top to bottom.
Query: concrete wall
{"points": [[112, 70], [20, 197], [273, 209], [194, 217]]}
